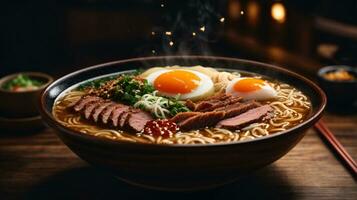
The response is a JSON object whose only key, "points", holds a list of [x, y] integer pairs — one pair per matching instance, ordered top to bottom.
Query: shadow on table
{"points": [[90, 183]]}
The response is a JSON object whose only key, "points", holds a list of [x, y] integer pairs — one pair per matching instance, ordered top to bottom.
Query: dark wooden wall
{"points": [[61, 36]]}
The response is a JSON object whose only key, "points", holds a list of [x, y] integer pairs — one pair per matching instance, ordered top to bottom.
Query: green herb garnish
{"points": [[22, 82], [95, 83], [123, 88], [132, 90], [160, 107], [176, 107]]}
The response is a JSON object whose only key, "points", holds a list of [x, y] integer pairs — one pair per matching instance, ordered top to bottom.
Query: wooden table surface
{"points": [[40, 166]]}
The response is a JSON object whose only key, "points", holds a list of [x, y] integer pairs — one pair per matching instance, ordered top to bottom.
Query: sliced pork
{"points": [[219, 97], [207, 102], [215, 102], [223, 103], [190, 104], [79, 105], [205, 105], [90, 107], [238, 108], [99, 109], [223, 111], [107, 112], [183, 115], [120, 116], [115, 117], [123, 117], [248, 117], [206, 119], [137, 120], [198, 120]]}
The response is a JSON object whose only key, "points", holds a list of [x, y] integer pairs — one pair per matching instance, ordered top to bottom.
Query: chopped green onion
{"points": [[22, 81], [160, 107]]}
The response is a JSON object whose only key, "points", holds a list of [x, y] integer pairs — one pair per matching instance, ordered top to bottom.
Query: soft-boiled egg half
{"points": [[181, 83], [251, 88]]}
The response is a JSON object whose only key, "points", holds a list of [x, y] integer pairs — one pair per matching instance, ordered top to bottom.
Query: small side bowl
{"points": [[341, 94], [21, 104], [20, 125]]}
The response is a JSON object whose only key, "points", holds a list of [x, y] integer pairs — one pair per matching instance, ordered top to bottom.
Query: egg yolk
{"points": [[177, 82], [248, 85]]}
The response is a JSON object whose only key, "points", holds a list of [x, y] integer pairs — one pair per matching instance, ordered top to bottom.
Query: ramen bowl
{"points": [[180, 166]]}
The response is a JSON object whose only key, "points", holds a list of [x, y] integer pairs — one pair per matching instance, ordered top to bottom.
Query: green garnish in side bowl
{"points": [[22, 83]]}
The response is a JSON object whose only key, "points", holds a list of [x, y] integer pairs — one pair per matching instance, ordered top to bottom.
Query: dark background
{"points": [[58, 37]]}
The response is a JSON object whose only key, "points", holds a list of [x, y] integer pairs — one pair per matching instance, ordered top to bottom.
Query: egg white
{"points": [[205, 86], [266, 92]]}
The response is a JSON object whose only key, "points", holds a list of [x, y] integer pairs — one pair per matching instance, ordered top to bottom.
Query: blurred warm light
{"points": [[234, 9], [242, 12], [252, 12], [278, 12], [222, 19], [203, 28], [152, 33], [168, 33], [193, 34], [171, 43], [327, 50], [275, 53]]}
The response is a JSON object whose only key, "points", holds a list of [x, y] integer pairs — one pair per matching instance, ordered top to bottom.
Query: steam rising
{"points": [[188, 28]]}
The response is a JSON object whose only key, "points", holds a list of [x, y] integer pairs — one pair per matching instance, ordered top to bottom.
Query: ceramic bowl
{"points": [[342, 95], [22, 104], [21, 125], [182, 167]]}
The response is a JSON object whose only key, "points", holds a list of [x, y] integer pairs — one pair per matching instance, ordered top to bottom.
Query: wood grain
{"points": [[335, 145], [39, 166]]}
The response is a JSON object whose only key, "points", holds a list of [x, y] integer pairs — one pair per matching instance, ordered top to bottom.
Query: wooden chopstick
{"points": [[337, 147]]}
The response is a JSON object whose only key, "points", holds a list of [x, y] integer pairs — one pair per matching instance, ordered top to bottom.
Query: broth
{"points": [[290, 108]]}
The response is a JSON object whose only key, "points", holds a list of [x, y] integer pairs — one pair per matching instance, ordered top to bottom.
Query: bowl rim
{"points": [[329, 68], [8, 77], [22, 119], [104, 141]]}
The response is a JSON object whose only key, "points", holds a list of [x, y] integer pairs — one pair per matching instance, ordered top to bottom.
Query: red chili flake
{"points": [[160, 127]]}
